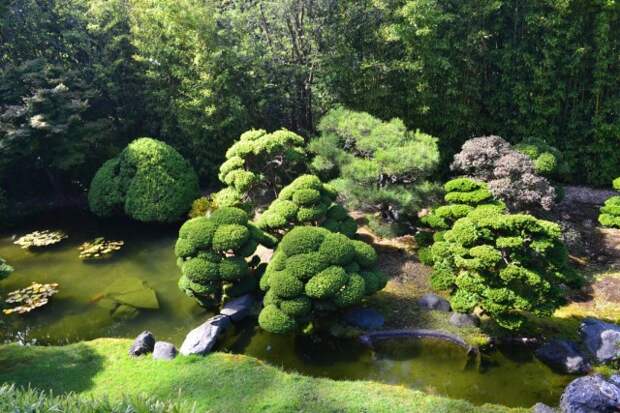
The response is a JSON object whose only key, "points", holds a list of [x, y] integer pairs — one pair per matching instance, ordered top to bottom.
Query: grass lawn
{"points": [[217, 383]]}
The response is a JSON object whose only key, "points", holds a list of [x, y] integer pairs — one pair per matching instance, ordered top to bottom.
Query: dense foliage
{"points": [[548, 160], [258, 165], [376, 166], [510, 174], [148, 181], [307, 201], [610, 211], [212, 251], [505, 264], [5, 269], [313, 273]]}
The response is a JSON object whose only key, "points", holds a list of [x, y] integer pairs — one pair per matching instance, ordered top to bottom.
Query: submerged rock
{"points": [[132, 291], [434, 302], [239, 308], [124, 312], [364, 318], [464, 320], [202, 339], [602, 339], [143, 344], [164, 351], [563, 356], [590, 394]]}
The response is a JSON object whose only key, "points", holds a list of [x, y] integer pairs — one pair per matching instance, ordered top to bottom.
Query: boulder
{"points": [[434, 302], [239, 308], [364, 318], [464, 320], [202, 339], [601, 339], [143, 344], [164, 351], [563, 356], [590, 394], [543, 408]]}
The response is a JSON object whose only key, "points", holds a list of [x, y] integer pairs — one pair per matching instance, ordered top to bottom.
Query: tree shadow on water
{"points": [[59, 369]]}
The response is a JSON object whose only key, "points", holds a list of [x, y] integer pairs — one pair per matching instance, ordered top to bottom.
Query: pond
{"points": [[509, 376]]}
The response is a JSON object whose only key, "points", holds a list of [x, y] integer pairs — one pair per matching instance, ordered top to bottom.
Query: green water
{"points": [[509, 376]]}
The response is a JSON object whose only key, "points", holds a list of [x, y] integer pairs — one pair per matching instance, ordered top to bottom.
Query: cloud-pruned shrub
{"points": [[548, 160], [259, 164], [376, 166], [510, 175], [149, 181], [307, 201], [610, 211], [212, 251], [507, 265], [313, 273]]}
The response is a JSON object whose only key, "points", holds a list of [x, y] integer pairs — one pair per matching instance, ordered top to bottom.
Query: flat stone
{"points": [[134, 292], [434, 302], [239, 308], [364, 318], [464, 320], [202, 339], [601, 339], [143, 344], [164, 351], [563, 356], [590, 394]]}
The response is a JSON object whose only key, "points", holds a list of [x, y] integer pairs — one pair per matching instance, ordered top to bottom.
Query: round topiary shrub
{"points": [[548, 160], [259, 163], [149, 181], [307, 201], [610, 211], [212, 251], [505, 264], [313, 273]]}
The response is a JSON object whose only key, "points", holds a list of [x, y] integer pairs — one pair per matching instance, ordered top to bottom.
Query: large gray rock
{"points": [[434, 302], [239, 308], [364, 318], [464, 320], [202, 339], [601, 339], [143, 344], [164, 351], [563, 356], [590, 394], [543, 408]]}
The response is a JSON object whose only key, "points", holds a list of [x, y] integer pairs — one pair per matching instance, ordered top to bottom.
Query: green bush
{"points": [[548, 160], [259, 164], [378, 167], [149, 181], [307, 201], [202, 206], [610, 211], [212, 251], [505, 264], [5, 269], [313, 273]]}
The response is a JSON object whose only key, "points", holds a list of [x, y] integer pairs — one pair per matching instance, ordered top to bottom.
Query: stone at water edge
{"points": [[434, 302], [239, 308], [364, 318], [464, 320], [202, 339], [601, 339], [143, 344], [164, 351], [563, 356], [590, 394], [543, 408]]}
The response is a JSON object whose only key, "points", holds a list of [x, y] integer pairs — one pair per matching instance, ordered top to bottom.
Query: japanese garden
{"points": [[310, 206]]}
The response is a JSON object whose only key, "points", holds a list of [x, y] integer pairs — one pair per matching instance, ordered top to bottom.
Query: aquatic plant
{"points": [[259, 164], [149, 181], [307, 201], [610, 211], [40, 239], [99, 248], [212, 251], [505, 264], [5, 269], [313, 273], [27, 299]]}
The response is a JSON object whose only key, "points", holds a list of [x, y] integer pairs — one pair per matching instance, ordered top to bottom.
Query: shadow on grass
{"points": [[60, 369]]}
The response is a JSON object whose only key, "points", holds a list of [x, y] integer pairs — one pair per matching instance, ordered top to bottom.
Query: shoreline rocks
{"points": [[202, 339], [601, 339], [143, 344], [563, 356], [591, 394]]}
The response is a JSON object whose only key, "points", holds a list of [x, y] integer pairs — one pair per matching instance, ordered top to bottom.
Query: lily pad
{"points": [[41, 239], [99, 248], [134, 292]]}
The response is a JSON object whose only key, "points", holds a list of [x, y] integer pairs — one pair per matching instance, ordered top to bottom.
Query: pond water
{"points": [[509, 376]]}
